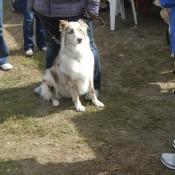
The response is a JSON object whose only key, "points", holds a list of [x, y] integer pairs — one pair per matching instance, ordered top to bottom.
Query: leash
{"points": [[90, 15], [103, 24], [57, 41]]}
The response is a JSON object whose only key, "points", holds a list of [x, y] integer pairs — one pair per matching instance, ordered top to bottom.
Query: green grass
{"points": [[126, 137]]}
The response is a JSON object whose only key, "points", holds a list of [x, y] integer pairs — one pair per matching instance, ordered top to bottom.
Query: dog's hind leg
{"points": [[47, 92], [93, 96]]}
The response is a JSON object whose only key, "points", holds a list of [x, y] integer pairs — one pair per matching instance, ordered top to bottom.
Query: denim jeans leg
{"points": [[28, 18], [172, 35], [40, 38], [52, 50], [4, 51], [3, 60], [97, 69]]}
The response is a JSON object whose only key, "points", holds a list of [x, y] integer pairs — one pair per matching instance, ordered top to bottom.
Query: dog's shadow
{"points": [[22, 102]]}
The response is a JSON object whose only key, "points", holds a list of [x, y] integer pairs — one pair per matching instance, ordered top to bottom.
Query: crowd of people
{"points": [[47, 17]]}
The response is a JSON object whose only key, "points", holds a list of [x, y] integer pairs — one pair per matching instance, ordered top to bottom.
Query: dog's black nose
{"points": [[79, 40]]}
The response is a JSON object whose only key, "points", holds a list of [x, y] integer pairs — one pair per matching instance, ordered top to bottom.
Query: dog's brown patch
{"points": [[63, 24], [55, 76], [67, 79], [51, 88]]}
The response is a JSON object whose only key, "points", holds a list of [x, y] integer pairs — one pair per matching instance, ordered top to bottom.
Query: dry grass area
{"points": [[125, 138]]}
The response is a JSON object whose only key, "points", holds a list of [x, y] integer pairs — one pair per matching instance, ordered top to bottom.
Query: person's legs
{"points": [[28, 18], [51, 29], [172, 32], [40, 38], [4, 52], [97, 69]]}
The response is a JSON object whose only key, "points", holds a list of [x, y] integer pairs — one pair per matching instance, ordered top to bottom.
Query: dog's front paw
{"points": [[98, 103], [80, 108]]}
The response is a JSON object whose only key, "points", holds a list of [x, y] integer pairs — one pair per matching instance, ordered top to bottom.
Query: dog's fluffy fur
{"points": [[72, 72]]}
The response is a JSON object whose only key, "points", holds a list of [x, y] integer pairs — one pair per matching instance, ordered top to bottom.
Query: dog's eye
{"points": [[71, 31], [82, 31]]}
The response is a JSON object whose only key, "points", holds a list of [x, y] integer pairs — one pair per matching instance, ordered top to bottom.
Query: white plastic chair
{"points": [[117, 7]]}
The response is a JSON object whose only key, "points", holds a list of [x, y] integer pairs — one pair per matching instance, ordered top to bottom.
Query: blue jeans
{"points": [[51, 29], [172, 32], [28, 33], [4, 52], [97, 69]]}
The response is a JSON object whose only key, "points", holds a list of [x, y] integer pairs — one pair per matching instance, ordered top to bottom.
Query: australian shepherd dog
{"points": [[72, 72]]}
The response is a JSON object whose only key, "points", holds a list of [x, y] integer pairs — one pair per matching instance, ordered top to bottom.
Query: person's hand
{"points": [[157, 3], [90, 15]]}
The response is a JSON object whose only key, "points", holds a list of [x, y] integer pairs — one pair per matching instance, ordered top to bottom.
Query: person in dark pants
{"points": [[16, 6], [51, 12], [28, 19], [4, 52]]}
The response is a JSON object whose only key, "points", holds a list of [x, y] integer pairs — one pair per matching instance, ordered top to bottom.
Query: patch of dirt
{"points": [[125, 138]]}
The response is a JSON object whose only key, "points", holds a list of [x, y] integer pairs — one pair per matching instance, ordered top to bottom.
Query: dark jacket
{"points": [[64, 8]]}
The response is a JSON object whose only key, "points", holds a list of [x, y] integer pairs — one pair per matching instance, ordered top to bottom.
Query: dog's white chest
{"points": [[78, 66]]}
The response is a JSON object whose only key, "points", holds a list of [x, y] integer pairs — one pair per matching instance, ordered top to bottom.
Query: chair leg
{"points": [[113, 6], [117, 7], [122, 8], [134, 12]]}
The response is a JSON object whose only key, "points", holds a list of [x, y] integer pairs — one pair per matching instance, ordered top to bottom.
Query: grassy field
{"points": [[125, 138]]}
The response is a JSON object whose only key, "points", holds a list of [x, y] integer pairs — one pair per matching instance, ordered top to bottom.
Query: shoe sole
{"points": [[29, 55], [6, 69], [167, 165]]}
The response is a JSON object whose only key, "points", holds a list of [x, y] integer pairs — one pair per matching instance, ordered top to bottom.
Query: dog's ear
{"points": [[83, 24], [63, 25]]}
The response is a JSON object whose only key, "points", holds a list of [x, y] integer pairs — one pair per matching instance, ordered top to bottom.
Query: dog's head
{"points": [[73, 33]]}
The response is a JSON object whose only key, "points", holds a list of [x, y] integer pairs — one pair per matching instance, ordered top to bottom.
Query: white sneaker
{"points": [[44, 49], [29, 52], [6, 66], [87, 97], [168, 159]]}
